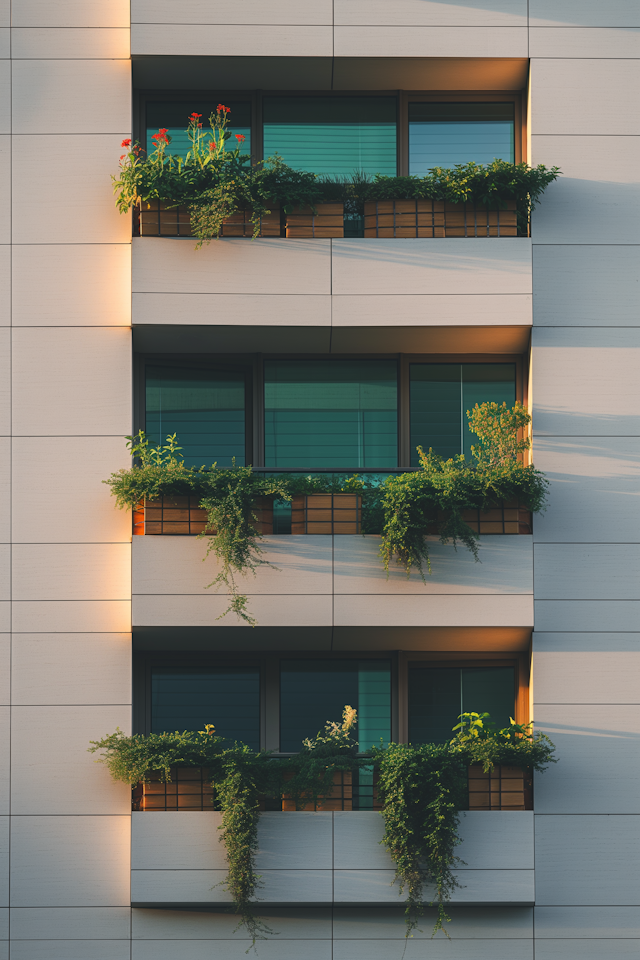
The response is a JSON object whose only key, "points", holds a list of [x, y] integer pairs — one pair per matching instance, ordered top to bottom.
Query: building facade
{"points": [[102, 331]]}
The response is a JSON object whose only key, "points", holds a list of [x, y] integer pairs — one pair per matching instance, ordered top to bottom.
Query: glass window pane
{"points": [[174, 116], [443, 134], [332, 136], [440, 395], [205, 408], [340, 414], [489, 690], [315, 691], [438, 695], [187, 699], [434, 704]]}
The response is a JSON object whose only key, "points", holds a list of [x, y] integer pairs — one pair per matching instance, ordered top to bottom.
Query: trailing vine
{"points": [[403, 509], [422, 789]]}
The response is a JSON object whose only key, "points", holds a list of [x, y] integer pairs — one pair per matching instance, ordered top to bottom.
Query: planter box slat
{"points": [[437, 218], [160, 219], [326, 223], [182, 517], [502, 788]]}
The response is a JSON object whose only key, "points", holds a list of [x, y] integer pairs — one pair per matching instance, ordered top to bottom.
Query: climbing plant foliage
{"points": [[408, 510], [422, 789]]}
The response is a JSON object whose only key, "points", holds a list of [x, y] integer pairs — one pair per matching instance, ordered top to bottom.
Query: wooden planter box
{"points": [[437, 218], [158, 219], [327, 222], [326, 513], [182, 517], [508, 518], [503, 788]]}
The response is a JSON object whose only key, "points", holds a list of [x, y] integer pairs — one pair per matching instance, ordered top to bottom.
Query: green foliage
{"points": [[214, 182], [404, 508], [422, 789]]}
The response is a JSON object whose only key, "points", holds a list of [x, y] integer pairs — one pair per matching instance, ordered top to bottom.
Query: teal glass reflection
{"points": [[444, 134], [438, 695]]}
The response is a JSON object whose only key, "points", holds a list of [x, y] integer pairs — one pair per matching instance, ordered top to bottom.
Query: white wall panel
{"points": [[283, 12], [70, 13], [431, 13], [587, 13], [231, 41], [365, 41], [5, 42], [584, 42], [63, 43], [5, 87], [71, 96], [582, 97], [5, 189], [597, 199], [74, 201], [480, 265], [232, 266], [5, 285], [79, 285], [585, 286], [232, 309], [440, 310], [5, 381], [71, 382], [587, 387], [78, 463], [591, 477], [5, 489], [174, 565], [505, 566], [5, 571], [71, 571], [594, 571], [278, 610], [433, 610], [585, 615], [5, 616], [72, 616], [5, 668], [586, 668], [73, 669], [599, 750], [5, 760], [75, 783], [307, 843], [586, 860], [4, 861], [70, 861], [203, 886], [488, 887], [4, 923], [70, 923], [289, 923], [467, 923], [557, 923], [440, 949], [70, 950], [231, 950], [587, 950]]}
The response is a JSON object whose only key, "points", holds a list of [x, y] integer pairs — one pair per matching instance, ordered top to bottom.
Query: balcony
{"points": [[327, 581], [322, 858]]}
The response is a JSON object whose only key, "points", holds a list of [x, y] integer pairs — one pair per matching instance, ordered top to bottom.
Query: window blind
{"points": [[444, 134], [332, 136], [205, 408], [337, 414], [187, 699]]}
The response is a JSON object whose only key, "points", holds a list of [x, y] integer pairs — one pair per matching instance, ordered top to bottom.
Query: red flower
{"points": [[222, 109], [195, 116], [199, 125], [240, 137], [126, 143], [212, 146], [123, 156]]}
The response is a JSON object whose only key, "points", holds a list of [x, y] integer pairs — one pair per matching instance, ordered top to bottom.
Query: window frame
{"points": [[403, 98], [252, 365]]}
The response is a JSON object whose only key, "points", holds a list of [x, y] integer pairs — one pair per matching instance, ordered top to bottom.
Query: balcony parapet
{"points": [[322, 858]]}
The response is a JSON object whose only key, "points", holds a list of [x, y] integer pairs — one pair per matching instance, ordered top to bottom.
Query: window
{"points": [[173, 114], [443, 134], [332, 136], [441, 394], [205, 408], [341, 414], [314, 691], [439, 694], [187, 698]]}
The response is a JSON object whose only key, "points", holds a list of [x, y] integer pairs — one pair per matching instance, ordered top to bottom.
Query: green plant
{"points": [[404, 509], [422, 790]]}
